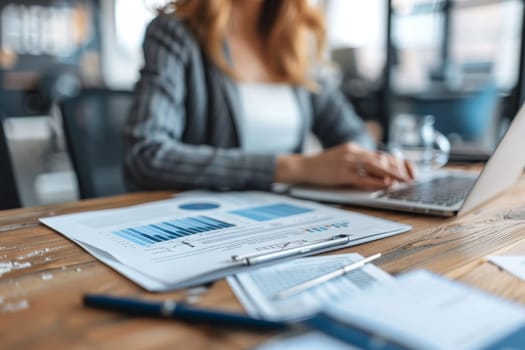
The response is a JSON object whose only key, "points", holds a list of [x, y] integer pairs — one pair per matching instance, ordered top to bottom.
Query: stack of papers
{"points": [[192, 238], [256, 289], [424, 311]]}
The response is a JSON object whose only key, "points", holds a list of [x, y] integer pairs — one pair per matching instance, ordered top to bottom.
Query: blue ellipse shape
{"points": [[199, 206]]}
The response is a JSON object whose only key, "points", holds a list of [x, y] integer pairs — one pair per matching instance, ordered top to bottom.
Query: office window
{"points": [[131, 19], [125, 23], [361, 26], [53, 29], [417, 35], [486, 35]]}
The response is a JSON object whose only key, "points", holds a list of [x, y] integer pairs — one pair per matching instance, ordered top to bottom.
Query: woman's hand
{"points": [[344, 165]]}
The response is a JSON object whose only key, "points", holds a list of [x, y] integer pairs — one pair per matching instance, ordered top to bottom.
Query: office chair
{"points": [[93, 123], [9, 198]]}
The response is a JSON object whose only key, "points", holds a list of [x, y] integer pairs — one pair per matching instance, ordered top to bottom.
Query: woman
{"points": [[226, 98]]}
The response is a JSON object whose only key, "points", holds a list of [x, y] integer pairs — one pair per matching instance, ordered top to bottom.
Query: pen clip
{"points": [[283, 253]]}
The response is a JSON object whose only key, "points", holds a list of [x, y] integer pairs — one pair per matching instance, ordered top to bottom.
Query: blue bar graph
{"points": [[271, 212], [327, 227], [168, 230]]}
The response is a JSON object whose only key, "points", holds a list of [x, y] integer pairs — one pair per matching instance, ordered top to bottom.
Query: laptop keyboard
{"points": [[445, 191]]}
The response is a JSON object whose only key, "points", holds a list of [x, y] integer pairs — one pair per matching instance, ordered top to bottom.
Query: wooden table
{"points": [[40, 298]]}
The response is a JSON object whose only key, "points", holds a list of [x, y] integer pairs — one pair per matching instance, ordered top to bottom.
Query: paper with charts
{"points": [[191, 238], [256, 289]]}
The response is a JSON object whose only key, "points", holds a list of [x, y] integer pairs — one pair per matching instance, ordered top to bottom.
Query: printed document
{"points": [[191, 238], [514, 264], [255, 289], [424, 311], [305, 341]]}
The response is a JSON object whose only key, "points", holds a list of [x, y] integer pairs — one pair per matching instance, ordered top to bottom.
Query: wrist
{"points": [[289, 169]]}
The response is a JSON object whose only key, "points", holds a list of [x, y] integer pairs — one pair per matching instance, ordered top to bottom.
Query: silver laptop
{"points": [[443, 193]]}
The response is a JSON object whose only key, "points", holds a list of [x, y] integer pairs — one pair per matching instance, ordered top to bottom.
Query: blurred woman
{"points": [[227, 95]]}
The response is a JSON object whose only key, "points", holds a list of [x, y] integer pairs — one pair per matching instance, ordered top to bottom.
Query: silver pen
{"points": [[283, 253], [323, 278]]}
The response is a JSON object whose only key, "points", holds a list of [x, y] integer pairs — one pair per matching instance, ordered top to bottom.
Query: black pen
{"points": [[179, 311]]}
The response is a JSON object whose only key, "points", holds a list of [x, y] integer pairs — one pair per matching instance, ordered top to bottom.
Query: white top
{"points": [[272, 119]]}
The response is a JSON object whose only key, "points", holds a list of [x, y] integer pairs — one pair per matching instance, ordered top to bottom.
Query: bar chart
{"points": [[271, 212], [327, 227], [168, 230]]}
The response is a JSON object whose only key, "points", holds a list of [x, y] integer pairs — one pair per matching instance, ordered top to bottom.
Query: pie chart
{"points": [[199, 206]]}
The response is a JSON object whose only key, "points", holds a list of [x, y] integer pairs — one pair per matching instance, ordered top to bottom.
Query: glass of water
{"points": [[413, 138]]}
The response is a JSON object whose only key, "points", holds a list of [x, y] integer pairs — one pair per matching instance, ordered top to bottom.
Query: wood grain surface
{"points": [[43, 276]]}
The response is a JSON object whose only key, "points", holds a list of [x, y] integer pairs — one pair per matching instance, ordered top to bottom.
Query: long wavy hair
{"points": [[293, 32]]}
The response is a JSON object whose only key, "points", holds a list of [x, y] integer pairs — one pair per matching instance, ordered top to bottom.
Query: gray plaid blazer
{"points": [[183, 128]]}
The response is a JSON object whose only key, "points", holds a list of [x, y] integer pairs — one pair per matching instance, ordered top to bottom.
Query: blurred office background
{"points": [[460, 60]]}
